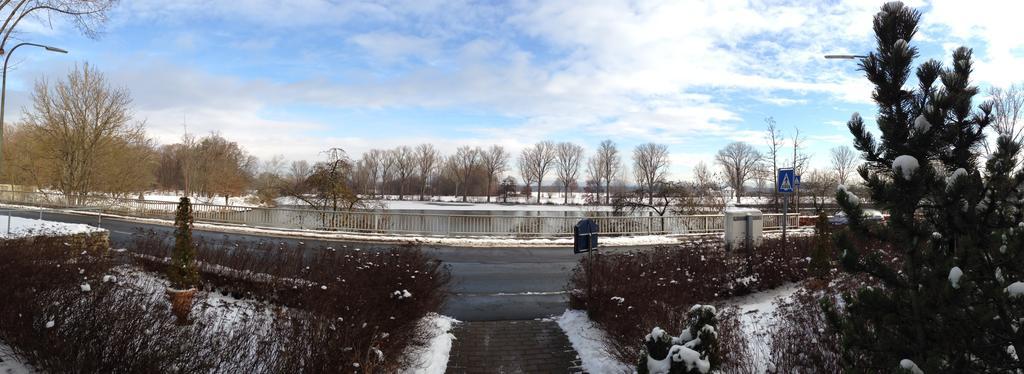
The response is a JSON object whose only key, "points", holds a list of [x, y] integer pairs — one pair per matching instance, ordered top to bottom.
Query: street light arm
{"points": [[844, 57], [3, 85]]}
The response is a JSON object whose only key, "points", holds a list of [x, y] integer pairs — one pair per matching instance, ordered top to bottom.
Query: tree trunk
{"points": [[539, 181], [489, 189], [607, 192], [565, 195]]}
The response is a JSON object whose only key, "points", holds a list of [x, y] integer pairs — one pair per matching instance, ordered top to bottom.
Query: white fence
{"points": [[385, 222]]}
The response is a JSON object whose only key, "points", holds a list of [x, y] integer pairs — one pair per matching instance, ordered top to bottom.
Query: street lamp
{"points": [[844, 57], [3, 86]]}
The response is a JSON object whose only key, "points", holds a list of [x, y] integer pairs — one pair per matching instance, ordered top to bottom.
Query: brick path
{"points": [[531, 346]]}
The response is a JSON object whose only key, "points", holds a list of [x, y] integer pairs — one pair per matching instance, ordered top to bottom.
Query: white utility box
{"points": [[742, 224]]}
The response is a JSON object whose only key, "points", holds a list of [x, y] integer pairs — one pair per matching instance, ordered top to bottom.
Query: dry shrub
{"points": [[635, 291], [346, 306], [338, 313], [106, 329], [803, 341], [734, 343]]}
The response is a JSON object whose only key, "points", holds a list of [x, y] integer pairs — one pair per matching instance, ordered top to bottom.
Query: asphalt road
{"points": [[487, 283]]}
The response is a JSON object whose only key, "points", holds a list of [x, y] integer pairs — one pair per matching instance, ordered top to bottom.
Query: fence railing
{"points": [[387, 222]]}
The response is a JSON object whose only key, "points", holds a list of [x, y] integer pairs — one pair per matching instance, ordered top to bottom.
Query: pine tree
{"points": [[182, 270], [951, 302]]}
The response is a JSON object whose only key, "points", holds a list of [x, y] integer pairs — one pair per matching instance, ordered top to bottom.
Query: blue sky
{"points": [[297, 77]]}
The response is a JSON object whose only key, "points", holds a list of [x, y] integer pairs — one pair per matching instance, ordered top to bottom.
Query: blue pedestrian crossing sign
{"points": [[787, 180]]}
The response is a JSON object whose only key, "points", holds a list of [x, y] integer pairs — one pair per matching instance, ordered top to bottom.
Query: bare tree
{"points": [[87, 15], [1007, 110], [78, 130], [775, 139], [427, 158], [539, 159], [373, 161], [465, 161], [494, 161], [800, 161], [843, 161], [739, 162], [610, 163], [526, 164], [386, 165], [567, 166], [650, 166], [222, 167], [405, 167], [298, 171], [762, 174], [595, 175], [819, 185], [327, 186], [709, 187]]}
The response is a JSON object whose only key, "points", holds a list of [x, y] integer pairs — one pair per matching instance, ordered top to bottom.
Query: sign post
{"points": [[787, 181], [584, 239]]}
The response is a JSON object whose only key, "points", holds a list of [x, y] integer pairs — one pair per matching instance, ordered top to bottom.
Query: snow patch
{"points": [[921, 124], [905, 164], [951, 179], [850, 196], [27, 227], [954, 276], [1016, 289], [589, 343], [433, 358], [11, 363], [910, 365]]}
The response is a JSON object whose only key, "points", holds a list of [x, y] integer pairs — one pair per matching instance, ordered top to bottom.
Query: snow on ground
{"points": [[174, 197], [472, 206], [17, 227], [757, 320], [590, 343], [433, 358], [11, 363]]}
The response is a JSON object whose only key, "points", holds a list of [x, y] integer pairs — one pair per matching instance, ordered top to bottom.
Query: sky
{"points": [[295, 78]]}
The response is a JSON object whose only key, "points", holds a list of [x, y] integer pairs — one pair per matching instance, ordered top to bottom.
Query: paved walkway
{"points": [[530, 346]]}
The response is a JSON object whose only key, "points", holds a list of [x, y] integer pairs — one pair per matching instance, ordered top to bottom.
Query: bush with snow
{"points": [[905, 165], [954, 276], [1015, 290], [695, 350], [910, 367]]}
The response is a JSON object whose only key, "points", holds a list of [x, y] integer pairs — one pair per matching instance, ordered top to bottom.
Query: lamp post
{"points": [[844, 57], [3, 86]]}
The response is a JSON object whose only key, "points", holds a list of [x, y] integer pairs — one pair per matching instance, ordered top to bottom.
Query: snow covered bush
{"points": [[954, 219], [695, 350]]}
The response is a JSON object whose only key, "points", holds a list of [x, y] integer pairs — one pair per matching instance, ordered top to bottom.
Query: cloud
{"points": [[682, 73], [782, 101]]}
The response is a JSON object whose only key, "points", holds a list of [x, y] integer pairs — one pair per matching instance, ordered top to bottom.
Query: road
{"points": [[487, 283]]}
